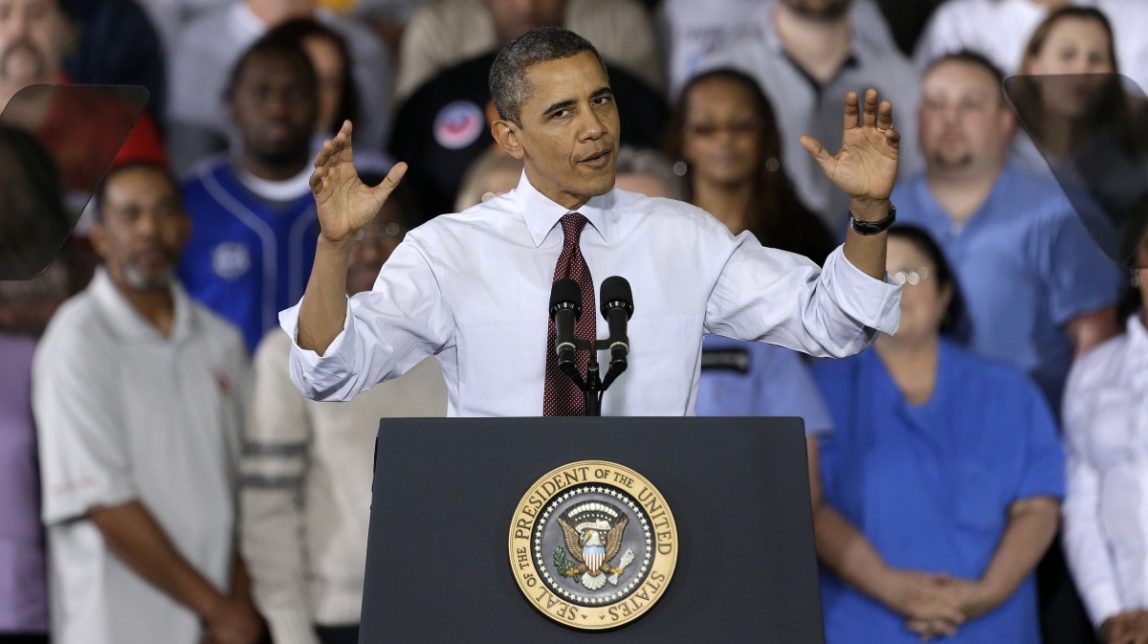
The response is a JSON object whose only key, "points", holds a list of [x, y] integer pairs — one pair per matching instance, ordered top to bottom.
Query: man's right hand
{"points": [[344, 203], [234, 621]]}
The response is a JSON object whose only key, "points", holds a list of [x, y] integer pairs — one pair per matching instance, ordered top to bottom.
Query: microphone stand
{"points": [[616, 301], [593, 387]]}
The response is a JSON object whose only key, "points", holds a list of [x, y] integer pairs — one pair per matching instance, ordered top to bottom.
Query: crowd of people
{"points": [[979, 476]]}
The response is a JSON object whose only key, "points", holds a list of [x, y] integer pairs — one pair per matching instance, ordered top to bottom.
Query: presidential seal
{"points": [[593, 545]]}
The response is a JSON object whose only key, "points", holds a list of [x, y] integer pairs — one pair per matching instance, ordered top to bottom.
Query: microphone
{"points": [[617, 307], [565, 308]]}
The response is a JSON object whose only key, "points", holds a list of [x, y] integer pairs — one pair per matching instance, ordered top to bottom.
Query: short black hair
{"points": [[299, 30], [276, 45], [969, 57], [508, 86], [161, 169], [955, 324]]}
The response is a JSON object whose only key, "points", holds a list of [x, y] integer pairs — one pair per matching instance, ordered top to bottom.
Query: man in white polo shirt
{"points": [[138, 402]]}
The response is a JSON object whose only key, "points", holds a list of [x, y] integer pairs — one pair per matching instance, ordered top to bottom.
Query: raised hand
{"points": [[866, 166], [344, 203]]}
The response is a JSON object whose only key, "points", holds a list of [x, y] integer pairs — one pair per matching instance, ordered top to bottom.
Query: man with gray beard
{"points": [[137, 395]]}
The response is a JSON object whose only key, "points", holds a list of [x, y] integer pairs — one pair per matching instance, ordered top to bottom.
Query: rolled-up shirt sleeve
{"points": [[767, 295], [386, 331]]}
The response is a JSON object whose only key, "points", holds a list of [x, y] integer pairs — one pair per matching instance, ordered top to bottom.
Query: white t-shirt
{"points": [[124, 413]]}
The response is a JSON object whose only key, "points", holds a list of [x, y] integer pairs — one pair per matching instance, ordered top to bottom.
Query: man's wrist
{"points": [[870, 210], [340, 246], [208, 606]]}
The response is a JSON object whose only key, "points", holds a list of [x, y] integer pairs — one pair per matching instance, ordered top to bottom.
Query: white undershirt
{"points": [[285, 190]]}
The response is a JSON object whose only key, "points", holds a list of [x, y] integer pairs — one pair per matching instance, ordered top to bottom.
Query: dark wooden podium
{"points": [[445, 492]]}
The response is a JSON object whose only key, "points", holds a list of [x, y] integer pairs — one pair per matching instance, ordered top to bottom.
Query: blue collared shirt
{"points": [[1026, 266], [473, 290], [754, 379], [930, 485]]}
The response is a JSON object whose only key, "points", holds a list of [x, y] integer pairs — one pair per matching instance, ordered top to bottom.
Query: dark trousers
{"points": [[1062, 616], [338, 634]]}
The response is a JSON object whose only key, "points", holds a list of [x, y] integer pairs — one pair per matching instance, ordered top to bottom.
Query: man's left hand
{"points": [[866, 166]]}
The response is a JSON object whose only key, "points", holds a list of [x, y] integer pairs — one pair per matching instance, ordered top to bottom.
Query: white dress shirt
{"points": [[473, 289], [1106, 510]]}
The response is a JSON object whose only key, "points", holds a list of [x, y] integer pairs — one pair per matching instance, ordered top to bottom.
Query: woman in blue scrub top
{"points": [[940, 489]]}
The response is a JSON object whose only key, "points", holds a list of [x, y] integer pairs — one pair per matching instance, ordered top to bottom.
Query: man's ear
{"points": [[1007, 119], [507, 136], [185, 226], [98, 237]]}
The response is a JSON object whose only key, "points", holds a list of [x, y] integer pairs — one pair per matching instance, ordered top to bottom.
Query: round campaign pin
{"points": [[458, 124], [593, 545]]}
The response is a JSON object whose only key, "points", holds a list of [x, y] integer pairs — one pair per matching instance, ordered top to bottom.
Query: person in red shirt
{"points": [[81, 126]]}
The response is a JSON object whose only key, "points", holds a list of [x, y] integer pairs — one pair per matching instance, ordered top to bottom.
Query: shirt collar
{"points": [[283, 191], [541, 214], [126, 321], [1137, 335]]}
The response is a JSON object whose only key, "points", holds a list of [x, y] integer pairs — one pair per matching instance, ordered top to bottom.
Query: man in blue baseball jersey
{"points": [[254, 227]]}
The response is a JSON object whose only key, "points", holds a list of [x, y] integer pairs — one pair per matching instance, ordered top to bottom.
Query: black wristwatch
{"points": [[873, 227]]}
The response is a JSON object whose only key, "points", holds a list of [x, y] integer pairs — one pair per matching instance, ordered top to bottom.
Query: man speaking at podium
{"points": [[473, 288]]}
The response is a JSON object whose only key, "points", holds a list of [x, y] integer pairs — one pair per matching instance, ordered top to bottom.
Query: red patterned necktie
{"points": [[561, 396]]}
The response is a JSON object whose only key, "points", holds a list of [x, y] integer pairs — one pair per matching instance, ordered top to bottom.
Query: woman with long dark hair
{"points": [[1069, 89], [726, 135]]}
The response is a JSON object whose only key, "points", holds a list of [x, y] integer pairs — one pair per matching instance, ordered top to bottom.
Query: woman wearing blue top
{"points": [[940, 489]]}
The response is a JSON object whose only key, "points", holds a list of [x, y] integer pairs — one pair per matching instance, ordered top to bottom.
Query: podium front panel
{"points": [[446, 490]]}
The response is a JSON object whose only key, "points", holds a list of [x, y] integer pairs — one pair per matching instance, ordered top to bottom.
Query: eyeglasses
{"points": [[389, 230], [910, 276]]}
